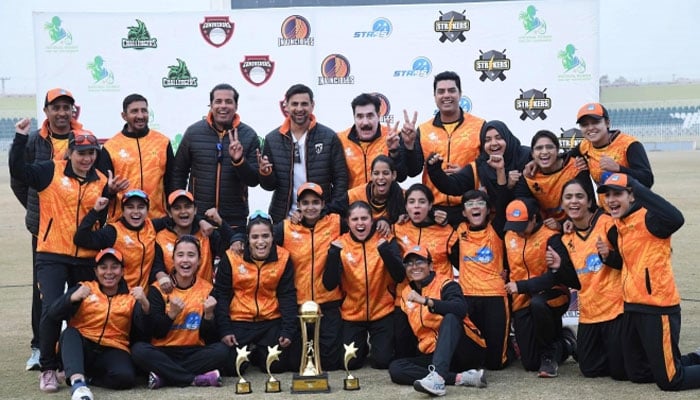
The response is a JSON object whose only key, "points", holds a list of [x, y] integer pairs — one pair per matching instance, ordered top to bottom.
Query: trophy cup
{"points": [[311, 378], [350, 382], [272, 385], [242, 386]]}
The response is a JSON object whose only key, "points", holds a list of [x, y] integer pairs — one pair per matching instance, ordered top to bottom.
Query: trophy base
{"points": [[310, 384], [351, 384], [272, 387], [243, 388]]}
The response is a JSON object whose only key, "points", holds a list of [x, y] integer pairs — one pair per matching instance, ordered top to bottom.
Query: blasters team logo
{"points": [[452, 26], [217, 31], [296, 31], [138, 37], [492, 64], [257, 69], [335, 70], [179, 76], [532, 103], [385, 115]]}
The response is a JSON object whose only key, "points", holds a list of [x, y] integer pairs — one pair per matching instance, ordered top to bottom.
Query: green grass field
{"points": [[665, 94]]}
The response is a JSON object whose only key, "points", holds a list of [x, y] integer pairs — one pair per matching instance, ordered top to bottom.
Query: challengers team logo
{"points": [[452, 26], [381, 28], [216, 31], [296, 31], [138, 37], [492, 65], [421, 67], [257, 69], [335, 70], [179, 76], [532, 103], [385, 115]]}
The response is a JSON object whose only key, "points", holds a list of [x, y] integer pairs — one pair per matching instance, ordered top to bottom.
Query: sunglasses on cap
{"points": [[84, 139], [259, 215]]}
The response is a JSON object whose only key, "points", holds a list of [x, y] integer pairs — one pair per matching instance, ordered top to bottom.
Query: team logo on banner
{"points": [[452, 26], [535, 27], [381, 28], [217, 31], [296, 31], [138, 37], [61, 39], [492, 64], [573, 64], [421, 67], [257, 69], [335, 70], [179, 76], [102, 77], [465, 103], [532, 103], [283, 107], [385, 115]]}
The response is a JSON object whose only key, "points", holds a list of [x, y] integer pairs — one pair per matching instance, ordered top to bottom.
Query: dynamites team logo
{"points": [[452, 26], [535, 27], [381, 28], [217, 31], [296, 31], [138, 37], [61, 40], [492, 65], [421, 67], [257, 69], [335, 70], [179, 76], [102, 77], [532, 103], [385, 115]]}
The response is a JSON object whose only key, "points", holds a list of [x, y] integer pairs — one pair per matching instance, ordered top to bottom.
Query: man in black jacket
{"points": [[302, 150]]}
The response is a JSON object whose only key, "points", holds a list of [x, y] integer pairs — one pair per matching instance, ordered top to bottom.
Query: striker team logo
{"points": [[452, 26], [381, 28], [216, 31], [296, 31], [138, 37], [492, 65], [421, 67], [257, 69], [335, 70], [179, 76], [532, 104], [385, 115]]}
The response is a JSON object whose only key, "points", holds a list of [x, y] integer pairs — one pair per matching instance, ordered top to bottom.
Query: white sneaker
{"points": [[33, 361], [473, 377], [433, 384], [82, 393]]}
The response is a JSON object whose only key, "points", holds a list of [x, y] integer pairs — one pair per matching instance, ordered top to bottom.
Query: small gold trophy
{"points": [[273, 354], [311, 378], [350, 382], [242, 386]]}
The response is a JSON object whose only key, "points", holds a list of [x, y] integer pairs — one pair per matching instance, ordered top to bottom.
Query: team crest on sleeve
{"points": [[216, 31], [257, 69], [318, 147]]}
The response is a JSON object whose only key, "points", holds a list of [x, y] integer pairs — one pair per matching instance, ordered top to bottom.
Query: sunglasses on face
{"points": [[84, 139], [475, 203], [259, 215], [415, 263]]}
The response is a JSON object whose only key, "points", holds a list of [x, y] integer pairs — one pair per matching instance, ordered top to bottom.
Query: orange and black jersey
{"points": [[360, 154], [145, 158], [64, 199], [392, 208], [438, 239], [644, 241], [308, 248], [528, 268], [367, 273], [252, 291], [600, 297], [105, 320], [425, 321]]}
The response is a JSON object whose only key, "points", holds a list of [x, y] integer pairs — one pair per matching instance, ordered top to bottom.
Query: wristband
{"points": [[425, 303]]}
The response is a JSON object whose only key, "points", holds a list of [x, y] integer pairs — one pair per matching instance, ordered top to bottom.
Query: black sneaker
{"points": [[569, 338], [548, 368]]}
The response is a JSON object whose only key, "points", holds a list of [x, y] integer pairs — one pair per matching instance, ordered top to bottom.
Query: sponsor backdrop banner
{"points": [[529, 64]]}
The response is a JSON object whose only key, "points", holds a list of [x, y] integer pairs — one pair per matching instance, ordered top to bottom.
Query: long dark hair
{"points": [[587, 188], [394, 201]]}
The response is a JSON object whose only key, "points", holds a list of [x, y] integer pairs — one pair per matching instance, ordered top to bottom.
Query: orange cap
{"points": [[54, 94], [595, 110], [615, 181], [314, 187], [177, 194], [518, 214], [420, 251], [109, 252]]}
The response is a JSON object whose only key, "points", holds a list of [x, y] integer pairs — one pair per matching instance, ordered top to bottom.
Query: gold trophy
{"points": [[273, 354], [311, 378], [350, 382], [242, 386]]}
